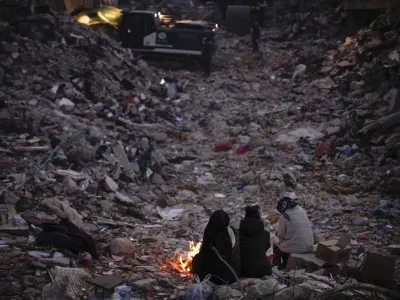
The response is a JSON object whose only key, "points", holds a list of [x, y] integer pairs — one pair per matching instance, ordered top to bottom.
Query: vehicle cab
{"points": [[153, 32]]}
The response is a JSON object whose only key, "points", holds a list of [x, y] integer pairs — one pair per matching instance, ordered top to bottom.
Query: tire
{"points": [[238, 19]]}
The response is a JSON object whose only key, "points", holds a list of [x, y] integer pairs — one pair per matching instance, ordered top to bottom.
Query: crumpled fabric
{"points": [[64, 235]]}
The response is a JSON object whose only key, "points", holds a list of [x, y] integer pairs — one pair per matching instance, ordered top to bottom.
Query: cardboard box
{"points": [[333, 252]]}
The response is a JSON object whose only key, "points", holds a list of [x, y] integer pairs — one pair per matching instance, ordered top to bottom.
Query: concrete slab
{"points": [[305, 261]]}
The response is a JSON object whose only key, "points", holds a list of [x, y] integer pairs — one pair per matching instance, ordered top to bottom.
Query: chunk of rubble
{"points": [[110, 185], [122, 246], [144, 284]]}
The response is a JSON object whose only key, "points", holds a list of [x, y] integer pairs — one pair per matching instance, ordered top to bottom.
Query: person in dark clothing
{"points": [[255, 37], [206, 55], [144, 160], [220, 235], [254, 243], [280, 259]]}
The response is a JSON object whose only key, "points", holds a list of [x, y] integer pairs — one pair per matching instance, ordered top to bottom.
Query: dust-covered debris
{"points": [[109, 165]]}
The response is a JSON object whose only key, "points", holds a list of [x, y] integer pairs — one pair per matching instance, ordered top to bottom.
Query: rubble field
{"points": [[314, 115]]}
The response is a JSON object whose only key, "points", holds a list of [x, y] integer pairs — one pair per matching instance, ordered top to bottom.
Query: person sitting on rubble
{"points": [[294, 232], [254, 243], [219, 254]]}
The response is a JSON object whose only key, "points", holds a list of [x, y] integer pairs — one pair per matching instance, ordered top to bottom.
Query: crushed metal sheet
{"points": [[75, 276]]}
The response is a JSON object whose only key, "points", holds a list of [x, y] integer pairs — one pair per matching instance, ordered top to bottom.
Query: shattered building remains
{"points": [[314, 115]]}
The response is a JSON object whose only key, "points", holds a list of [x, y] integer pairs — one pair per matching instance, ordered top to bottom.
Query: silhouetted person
{"points": [[255, 37], [206, 55], [144, 161], [218, 234], [254, 243]]}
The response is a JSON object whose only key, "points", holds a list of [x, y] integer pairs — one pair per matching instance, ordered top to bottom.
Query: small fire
{"points": [[181, 263]]}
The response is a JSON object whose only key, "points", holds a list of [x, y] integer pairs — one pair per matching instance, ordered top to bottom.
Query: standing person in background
{"points": [[255, 37], [206, 55], [144, 161], [294, 232], [254, 243]]}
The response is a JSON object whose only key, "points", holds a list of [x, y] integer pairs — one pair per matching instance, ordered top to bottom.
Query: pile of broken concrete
{"points": [[78, 112]]}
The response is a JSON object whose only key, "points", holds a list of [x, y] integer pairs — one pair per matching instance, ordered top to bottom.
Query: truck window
{"points": [[131, 22], [149, 25]]}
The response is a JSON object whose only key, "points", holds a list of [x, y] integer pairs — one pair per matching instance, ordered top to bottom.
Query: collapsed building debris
{"points": [[82, 197]]}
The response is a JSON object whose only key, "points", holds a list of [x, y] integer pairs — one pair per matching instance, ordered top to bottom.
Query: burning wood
{"points": [[183, 263]]}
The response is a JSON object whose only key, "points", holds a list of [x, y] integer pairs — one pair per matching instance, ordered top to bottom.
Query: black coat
{"points": [[255, 35], [207, 49], [254, 243], [207, 262]]}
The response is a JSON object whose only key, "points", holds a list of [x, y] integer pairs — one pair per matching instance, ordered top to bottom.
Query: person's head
{"points": [[256, 24], [284, 204], [252, 212], [219, 219], [218, 223]]}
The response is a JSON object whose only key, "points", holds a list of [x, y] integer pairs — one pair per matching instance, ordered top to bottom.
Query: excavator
{"points": [[151, 33]]}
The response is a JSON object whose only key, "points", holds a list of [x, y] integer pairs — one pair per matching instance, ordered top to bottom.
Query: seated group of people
{"points": [[227, 254]]}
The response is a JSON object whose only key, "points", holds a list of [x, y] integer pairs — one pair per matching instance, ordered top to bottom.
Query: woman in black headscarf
{"points": [[219, 235], [254, 243]]}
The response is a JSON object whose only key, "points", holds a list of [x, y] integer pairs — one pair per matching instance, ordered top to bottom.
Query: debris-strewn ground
{"points": [[77, 111]]}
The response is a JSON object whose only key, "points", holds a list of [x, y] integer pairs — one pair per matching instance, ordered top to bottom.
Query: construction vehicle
{"points": [[151, 33]]}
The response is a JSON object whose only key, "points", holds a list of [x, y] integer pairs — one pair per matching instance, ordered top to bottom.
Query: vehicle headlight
{"points": [[84, 19]]}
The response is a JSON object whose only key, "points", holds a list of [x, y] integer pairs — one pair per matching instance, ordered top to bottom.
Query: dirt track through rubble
{"points": [[77, 111]]}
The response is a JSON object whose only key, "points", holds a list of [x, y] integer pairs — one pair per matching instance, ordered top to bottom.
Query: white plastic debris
{"points": [[298, 71], [54, 89], [33, 102], [66, 104], [293, 136], [149, 172], [219, 195], [170, 213], [38, 254]]}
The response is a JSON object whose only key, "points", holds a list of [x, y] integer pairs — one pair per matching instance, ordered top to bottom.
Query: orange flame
{"points": [[181, 263]]}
